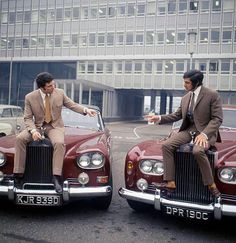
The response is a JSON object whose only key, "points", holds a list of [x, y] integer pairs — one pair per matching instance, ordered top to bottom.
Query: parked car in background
{"points": [[11, 119], [87, 166], [191, 199]]}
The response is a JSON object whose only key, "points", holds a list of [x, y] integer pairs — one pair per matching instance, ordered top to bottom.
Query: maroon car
{"points": [[86, 171], [191, 199]]}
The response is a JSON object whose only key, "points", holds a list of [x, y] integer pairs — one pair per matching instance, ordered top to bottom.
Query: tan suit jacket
{"points": [[34, 109], [207, 114]]}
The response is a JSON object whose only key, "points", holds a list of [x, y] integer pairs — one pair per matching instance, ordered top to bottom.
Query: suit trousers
{"points": [[56, 136], [170, 145]]}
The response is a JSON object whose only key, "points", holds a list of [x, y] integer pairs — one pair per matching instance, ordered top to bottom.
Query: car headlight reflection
{"points": [[2, 159], [91, 160], [151, 166], [228, 175]]}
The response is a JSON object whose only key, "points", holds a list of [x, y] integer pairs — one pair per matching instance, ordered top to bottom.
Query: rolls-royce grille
{"points": [[39, 162], [189, 183]]}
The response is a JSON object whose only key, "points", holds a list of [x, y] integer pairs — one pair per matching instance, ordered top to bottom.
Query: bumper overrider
{"points": [[50, 197], [214, 210]]}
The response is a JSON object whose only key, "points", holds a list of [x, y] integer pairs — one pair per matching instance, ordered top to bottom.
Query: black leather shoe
{"points": [[56, 180]]}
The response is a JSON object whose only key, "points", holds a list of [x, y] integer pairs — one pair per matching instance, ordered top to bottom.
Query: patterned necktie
{"points": [[48, 116]]}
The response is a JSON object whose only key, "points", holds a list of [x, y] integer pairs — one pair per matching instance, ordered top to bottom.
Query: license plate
{"points": [[40, 200], [187, 213]]}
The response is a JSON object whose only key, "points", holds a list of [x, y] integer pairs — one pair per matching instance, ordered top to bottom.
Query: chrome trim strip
{"points": [[217, 208]]}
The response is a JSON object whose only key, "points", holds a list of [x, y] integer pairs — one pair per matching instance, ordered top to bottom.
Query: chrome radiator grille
{"points": [[38, 162], [189, 183]]}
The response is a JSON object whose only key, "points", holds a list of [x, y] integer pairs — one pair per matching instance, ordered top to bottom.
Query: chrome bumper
{"points": [[68, 193], [218, 209]]}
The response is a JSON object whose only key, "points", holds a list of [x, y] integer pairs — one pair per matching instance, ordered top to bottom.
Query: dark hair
{"points": [[195, 76], [43, 78]]}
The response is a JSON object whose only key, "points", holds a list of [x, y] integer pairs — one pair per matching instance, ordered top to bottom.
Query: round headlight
{"points": [[2, 159], [97, 159], [84, 161], [146, 166], [158, 168], [226, 174], [83, 178]]}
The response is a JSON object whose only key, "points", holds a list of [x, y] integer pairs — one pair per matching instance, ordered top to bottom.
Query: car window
{"points": [[5, 112], [17, 112], [75, 119]]}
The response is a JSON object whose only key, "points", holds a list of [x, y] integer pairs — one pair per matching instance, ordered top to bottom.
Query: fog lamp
{"points": [[226, 174], [83, 178], [142, 184]]}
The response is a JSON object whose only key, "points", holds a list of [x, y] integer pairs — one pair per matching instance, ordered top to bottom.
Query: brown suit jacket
{"points": [[34, 108], [208, 114]]}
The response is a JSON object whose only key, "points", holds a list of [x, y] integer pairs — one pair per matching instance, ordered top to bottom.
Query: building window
{"points": [[216, 5], [228, 5], [183, 6], [193, 6], [205, 6], [151, 7], [171, 7], [161, 8], [131, 10], [140, 10], [102, 11], [111, 11], [121, 11], [76, 13], [84, 13], [93, 13], [51, 14], [59, 14], [67, 14], [19, 16], [42, 16], [27, 17], [4, 18], [12, 18], [203, 36], [215, 36], [227, 36], [120, 38], [129, 38], [139, 38], [149, 38], [160, 38], [170, 38], [181, 38], [92, 39], [101, 39], [110, 39], [66, 40], [74, 40], [82, 40], [50, 41], [58, 41], [33, 42], [41, 42], [169, 65], [180, 66], [203, 66], [213, 66], [225, 66], [234, 66], [90, 67], [99, 67], [109, 67], [119, 67], [128, 67], [138, 67], [148, 67], [159, 67], [81, 68]]}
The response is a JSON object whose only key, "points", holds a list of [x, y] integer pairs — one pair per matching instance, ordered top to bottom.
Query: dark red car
{"points": [[86, 171], [191, 199]]}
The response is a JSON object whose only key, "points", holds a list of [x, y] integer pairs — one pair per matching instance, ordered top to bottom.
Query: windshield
{"points": [[75, 119], [229, 119]]}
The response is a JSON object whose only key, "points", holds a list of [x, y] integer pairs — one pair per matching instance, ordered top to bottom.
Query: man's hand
{"points": [[91, 112], [152, 118], [36, 136], [201, 140]]}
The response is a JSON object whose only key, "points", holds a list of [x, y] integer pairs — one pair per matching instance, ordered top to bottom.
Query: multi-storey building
{"points": [[113, 53]]}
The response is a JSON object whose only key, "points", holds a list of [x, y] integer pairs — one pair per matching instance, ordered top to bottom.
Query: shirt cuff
{"points": [[85, 110]]}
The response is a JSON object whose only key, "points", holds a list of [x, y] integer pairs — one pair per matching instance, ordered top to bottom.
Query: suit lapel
{"points": [[200, 96], [40, 99]]}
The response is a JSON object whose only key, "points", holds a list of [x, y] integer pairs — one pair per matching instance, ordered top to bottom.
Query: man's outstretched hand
{"points": [[91, 112], [152, 118]]}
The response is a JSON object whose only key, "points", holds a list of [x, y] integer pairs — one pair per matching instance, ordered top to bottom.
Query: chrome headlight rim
{"points": [[92, 157], [2, 159], [154, 162], [231, 171]]}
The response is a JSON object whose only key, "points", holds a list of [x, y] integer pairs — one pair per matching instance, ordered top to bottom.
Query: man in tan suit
{"points": [[43, 109], [201, 111]]}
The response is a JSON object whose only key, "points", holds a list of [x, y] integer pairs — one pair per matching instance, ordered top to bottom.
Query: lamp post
{"points": [[192, 40]]}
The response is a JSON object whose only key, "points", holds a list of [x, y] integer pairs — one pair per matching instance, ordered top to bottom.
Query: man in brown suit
{"points": [[43, 109], [201, 111]]}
